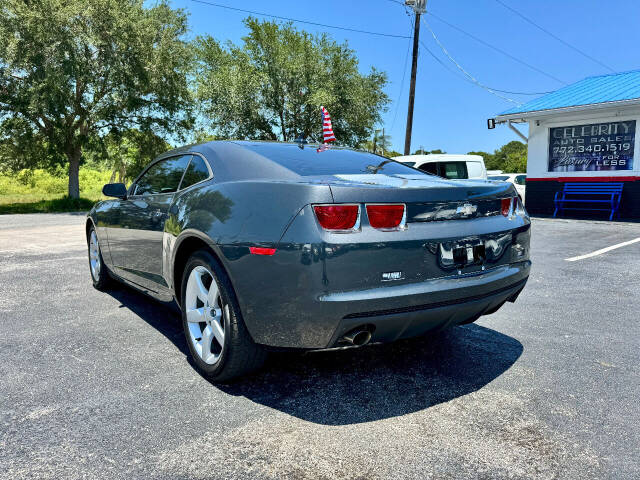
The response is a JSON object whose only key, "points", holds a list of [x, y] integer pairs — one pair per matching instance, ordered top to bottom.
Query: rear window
{"points": [[334, 161], [431, 168], [453, 170], [196, 172]]}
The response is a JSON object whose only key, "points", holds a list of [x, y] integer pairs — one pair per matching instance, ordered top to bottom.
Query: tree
{"points": [[74, 71], [272, 86], [380, 144], [21, 147], [421, 151], [126, 153], [487, 157], [511, 157]]}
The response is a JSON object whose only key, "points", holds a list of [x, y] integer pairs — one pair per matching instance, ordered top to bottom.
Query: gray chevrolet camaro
{"points": [[273, 245]]}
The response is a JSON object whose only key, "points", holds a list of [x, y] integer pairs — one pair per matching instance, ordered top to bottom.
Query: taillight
{"points": [[505, 206], [518, 207], [337, 217], [385, 217]]}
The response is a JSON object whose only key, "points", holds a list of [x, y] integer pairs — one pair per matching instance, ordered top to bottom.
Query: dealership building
{"points": [[582, 133]]}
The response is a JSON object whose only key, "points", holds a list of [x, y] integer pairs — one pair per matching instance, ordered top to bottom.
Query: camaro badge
{"points": [[467, 209]]}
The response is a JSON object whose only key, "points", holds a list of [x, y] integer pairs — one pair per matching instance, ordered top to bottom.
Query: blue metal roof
{"points": [[592, 90]]}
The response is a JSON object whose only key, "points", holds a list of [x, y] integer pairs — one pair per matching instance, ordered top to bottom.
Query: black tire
{"points": [[102, 280], [240, 354]]}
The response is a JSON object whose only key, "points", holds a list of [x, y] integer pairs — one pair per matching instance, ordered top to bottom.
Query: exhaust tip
{"points": [[357, 337]]}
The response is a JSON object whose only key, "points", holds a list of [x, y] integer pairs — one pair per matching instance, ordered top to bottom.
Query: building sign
{"points": [[594, 147]]}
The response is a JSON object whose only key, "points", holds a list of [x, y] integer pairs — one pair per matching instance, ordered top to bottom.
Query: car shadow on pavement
{"points": [[164, 317], [380, 381], [375, 382]]}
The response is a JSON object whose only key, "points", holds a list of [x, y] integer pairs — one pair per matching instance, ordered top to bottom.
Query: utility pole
{"points": [[419, 7]]}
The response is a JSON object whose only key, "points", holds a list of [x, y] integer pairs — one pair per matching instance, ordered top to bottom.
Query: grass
{"points": [[41, 191], [62, 204]]}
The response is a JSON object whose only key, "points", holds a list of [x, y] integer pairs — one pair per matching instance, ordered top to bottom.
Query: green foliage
{"points": [[73, 71], [272, 86], [201, 136], [380, 144], [421, 151], [126, 153], [510, 158], [38, 182], [33, 191], [63, 204]]}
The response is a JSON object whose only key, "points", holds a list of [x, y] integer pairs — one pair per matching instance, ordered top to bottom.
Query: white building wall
{"points": [[538, 148]]}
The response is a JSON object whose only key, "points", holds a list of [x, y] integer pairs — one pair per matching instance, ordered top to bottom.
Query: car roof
{"points": [[247, 159]]}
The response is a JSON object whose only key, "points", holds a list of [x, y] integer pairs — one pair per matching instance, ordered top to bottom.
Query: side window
{"points": [[431, 167], [474, 169], [453, 170], [196, 172], [162, 177], [521, 179]]}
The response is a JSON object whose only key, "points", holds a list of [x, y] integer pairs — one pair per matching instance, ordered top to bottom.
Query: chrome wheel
{"points": [[94, 256], [205, 314]]}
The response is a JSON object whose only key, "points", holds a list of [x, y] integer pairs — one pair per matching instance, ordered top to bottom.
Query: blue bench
{"points": [[589, 192]]}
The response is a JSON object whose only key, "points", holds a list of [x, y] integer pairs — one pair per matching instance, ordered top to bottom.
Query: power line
{"points": [[289, 19], [552, 35], [493, 47], [461, 68], [455, 73], [404, 74], [470, 79]]}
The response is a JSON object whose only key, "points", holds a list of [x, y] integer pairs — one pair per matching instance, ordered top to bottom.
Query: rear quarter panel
{"points": [[233, 216]]}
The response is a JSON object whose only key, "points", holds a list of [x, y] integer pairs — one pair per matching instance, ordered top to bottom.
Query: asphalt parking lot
{"points": [[98, 385]]}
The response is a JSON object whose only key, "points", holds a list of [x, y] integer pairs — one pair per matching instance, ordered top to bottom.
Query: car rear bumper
{"points": [[405, 322]]}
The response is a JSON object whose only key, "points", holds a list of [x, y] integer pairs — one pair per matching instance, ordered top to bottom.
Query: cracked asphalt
{"points": [[98, 385]]}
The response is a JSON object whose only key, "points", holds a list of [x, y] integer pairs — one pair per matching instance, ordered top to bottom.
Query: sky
{"points": [[451, 112]]}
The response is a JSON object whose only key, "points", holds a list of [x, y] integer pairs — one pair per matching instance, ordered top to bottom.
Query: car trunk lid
{"points": [[428, 198]]}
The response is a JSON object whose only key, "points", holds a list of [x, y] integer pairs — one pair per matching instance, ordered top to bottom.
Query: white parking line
{"points": [[603, 250]]}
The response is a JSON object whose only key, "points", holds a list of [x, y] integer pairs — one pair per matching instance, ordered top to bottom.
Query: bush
{"points": [[26, 178], [52, 182], [45, 190], [63, 204]]}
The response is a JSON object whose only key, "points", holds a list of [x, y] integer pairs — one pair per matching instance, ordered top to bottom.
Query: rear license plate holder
{"points": [[463, 254]]}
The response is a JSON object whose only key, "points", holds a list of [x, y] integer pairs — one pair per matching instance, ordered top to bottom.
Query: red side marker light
{"points": [[337, 217], [385, 217], [262, 251]]}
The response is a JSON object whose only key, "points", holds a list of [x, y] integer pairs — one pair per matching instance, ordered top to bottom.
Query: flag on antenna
{"points": [[327, 129]]}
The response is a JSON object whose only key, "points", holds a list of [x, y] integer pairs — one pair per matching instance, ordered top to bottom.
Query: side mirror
{"points": [[117, 190]]}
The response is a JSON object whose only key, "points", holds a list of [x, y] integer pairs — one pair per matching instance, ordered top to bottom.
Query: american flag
{"points": [[327, 130]]}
